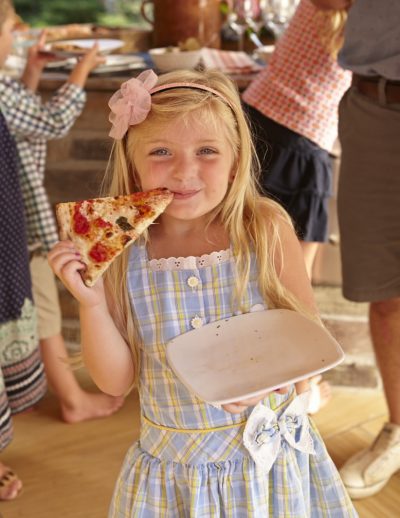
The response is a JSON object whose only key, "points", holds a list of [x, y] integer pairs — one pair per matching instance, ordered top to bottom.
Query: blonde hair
{"points": [[6, 8], [331, 30], [251, 221]]}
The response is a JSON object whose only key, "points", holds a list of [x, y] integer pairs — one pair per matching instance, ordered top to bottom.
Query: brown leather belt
{"points": [[377, 88]]}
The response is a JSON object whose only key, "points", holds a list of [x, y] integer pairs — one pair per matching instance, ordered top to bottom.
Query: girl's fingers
{"points": [[62, 246], [58, 262], [70, 268], [283, 390], [253, 400], [241, 406], [234, 408]]}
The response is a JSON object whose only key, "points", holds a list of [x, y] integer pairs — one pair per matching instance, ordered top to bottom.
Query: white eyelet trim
{"points": [[190, 262]]}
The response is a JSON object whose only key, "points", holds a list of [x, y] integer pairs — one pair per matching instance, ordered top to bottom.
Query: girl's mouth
{"points": [[184, 195]]}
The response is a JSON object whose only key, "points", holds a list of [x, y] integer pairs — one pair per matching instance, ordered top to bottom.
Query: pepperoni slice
{"points": [[80, 222], [100, 253]]}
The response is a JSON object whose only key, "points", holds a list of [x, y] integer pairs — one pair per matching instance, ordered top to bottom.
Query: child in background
{"points": [[293, 108], [32, 123], [219, 249], [22, 379]]}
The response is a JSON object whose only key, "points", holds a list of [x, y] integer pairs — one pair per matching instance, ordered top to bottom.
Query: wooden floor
{"points": [[69, 470]]}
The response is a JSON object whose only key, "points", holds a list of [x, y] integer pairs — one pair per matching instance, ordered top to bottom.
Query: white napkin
{"points": [[228, 61]]}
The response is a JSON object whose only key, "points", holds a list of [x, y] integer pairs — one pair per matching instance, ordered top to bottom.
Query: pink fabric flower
{"points": [[131, 103]]}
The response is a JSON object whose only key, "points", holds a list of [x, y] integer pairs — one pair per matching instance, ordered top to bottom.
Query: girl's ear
{"points": [[232, 175]]}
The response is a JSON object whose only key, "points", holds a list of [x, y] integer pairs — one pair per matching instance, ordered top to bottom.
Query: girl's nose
{"points": [[185, 167]]}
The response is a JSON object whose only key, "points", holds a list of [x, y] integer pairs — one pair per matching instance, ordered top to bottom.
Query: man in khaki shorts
{"points": [[369, 213]]}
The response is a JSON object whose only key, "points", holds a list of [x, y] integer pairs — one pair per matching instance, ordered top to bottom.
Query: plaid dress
{"points": [[190, 460]]}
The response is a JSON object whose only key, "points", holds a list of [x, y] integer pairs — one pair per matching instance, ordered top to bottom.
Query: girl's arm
{"points": [[292, 270], [293, 275], [106, 354]]}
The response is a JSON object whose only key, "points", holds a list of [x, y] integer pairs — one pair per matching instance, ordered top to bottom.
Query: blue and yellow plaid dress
{"points": [[190, 460]]}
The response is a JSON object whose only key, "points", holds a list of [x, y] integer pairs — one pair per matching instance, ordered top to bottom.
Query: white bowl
{"points": [[166, 59]]}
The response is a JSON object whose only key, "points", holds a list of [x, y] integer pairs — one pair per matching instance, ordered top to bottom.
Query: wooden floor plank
{"points": [[69, 470]]}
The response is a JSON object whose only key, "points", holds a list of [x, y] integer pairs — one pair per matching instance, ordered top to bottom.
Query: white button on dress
{"points": [[193, 281], [196, 322]]}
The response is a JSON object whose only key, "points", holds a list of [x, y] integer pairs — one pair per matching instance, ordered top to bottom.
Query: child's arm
{"points": [[35, 64], [27, 117], [292, 270], [293, 275], [106, 354]]}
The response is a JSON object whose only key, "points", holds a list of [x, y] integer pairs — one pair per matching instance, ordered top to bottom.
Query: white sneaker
{"points": [[368, 471]]}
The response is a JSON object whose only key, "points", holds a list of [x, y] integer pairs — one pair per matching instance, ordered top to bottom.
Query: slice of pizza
{"points": [[101, 228]]}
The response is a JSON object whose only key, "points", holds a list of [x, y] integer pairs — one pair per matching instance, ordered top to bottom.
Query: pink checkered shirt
{"points": [[302, 85]]}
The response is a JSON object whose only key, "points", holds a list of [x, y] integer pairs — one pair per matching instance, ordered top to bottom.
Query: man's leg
{"points": [[370, 247], [385, 332]]}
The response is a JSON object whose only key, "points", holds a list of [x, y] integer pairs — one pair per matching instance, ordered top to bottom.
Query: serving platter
{"points": [[77, 47], [119, 62], [246, 355]]}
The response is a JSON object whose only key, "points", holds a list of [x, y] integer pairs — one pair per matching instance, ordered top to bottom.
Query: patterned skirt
{"points": [[22, 378], [209, 474]]}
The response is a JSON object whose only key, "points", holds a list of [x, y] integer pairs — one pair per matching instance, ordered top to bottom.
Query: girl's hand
{"points": [[65, 261], [241, 406]]}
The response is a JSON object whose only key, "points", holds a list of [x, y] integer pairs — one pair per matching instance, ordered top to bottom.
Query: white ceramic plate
{"points": [[105, 46], [118, 62], [246, 355]]}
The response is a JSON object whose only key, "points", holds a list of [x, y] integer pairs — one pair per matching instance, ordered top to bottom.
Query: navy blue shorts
{"points": [[296, 172]]}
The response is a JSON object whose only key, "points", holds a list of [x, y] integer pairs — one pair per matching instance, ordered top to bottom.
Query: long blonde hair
{"points": [[331, 29], [251, 221]]}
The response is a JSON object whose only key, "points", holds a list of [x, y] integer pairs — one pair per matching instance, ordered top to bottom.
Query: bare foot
{"points": [[321, 394], [90, 406], [10, 484]]}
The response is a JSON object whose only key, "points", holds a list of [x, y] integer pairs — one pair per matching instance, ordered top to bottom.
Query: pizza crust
{"points": [[63, 214]]}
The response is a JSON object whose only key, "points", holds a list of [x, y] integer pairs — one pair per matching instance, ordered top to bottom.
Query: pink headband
{"points": [[131, 104]]}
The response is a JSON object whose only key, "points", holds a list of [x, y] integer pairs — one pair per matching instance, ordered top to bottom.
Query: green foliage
{"points": [[56, 12]]}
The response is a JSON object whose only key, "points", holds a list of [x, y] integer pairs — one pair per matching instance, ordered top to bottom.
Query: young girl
{"points": [[218, 250]]}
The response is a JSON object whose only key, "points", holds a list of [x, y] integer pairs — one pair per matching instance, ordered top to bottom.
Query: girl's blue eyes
{"points": [[207, 151], [159, 152], [166, 152]]}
